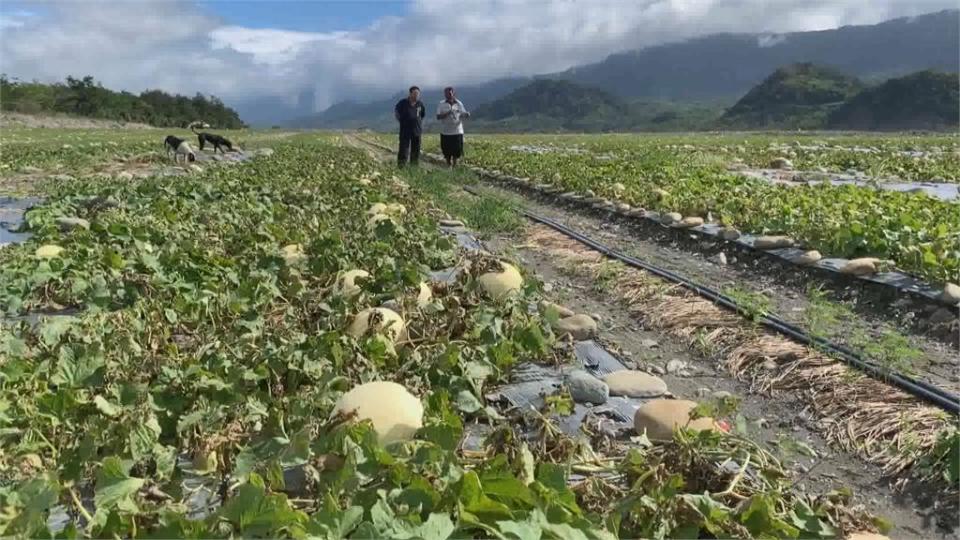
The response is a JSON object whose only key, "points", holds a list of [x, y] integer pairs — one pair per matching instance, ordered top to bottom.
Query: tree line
{"points": [[88, 98]]}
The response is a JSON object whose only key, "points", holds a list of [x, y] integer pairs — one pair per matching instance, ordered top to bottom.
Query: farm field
{"points": [[691, 175], [201, 332]]}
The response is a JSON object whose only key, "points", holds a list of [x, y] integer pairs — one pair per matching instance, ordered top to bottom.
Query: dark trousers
{"points": [[409, 145]]}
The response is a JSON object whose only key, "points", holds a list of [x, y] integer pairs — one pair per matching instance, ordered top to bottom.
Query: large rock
{"points": [[781, 163], [689, 222], [67, 224], [772, 242], [807, 257], [863, 266], [347, 284], [501, 284], [950, 294], [382, 321], [579, 327], [635, 384], [585, 388], [396, 414], [660, 417]]}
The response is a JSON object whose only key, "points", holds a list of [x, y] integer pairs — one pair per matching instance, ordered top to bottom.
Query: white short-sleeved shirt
{"points": [[453, 124]]}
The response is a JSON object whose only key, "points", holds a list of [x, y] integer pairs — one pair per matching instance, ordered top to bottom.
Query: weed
{"points": [[754, 305]]}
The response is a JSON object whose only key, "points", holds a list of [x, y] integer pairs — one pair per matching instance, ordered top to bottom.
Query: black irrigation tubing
{"points": [[934, 395], [944, 399]]}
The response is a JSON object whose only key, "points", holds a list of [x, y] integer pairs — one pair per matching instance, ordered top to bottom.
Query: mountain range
{"points": [[717, 69]]}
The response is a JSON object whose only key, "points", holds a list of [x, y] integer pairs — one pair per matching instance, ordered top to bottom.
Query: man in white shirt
{"points": [[451, 114]]}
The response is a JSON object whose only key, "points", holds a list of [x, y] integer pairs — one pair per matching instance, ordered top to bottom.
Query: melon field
{"points": [[292, 346]]}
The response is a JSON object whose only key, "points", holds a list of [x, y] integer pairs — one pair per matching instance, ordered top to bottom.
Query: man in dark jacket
{"points": [[409, 113]]}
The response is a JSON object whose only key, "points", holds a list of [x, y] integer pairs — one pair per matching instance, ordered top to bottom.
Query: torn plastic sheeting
{"points": [[596, 359]]}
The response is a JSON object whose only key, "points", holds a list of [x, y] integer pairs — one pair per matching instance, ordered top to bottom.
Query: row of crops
{"points": [[36, 150], [920, 234], [222, 320]]}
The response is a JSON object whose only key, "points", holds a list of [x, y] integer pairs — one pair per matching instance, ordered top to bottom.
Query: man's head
{"points": [[414, 93], [449, 93]]}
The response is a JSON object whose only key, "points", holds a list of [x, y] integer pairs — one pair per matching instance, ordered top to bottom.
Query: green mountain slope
{"points": [[795, 96], [923, 100]]}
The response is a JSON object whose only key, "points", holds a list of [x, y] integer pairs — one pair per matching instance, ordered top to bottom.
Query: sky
{"points": [[363, 49]]}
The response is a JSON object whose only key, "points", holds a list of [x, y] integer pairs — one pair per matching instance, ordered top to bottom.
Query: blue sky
{"points": [[305, 15]]}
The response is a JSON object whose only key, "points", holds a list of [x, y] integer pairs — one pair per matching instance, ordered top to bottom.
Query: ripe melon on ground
{"points": [[48, 251], [293, 253], [501, 284], [347, 286], [378, 320], [396, 414]]}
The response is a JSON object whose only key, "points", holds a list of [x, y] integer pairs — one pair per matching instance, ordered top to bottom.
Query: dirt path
{"points": [[786, 424]]}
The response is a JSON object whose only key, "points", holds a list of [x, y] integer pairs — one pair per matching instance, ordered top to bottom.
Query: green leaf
{"points": [[53, 329], [74, 371], [467, 402], [114, 486], [476, 504], [334, 524], [438, 526]]}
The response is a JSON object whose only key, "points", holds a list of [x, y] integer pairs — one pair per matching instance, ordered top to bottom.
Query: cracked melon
{"points": [[503, 283], [381, 321]]}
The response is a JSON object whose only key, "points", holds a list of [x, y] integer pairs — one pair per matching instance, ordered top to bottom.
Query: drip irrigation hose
{"points": [[934, 395], [944, 399]]}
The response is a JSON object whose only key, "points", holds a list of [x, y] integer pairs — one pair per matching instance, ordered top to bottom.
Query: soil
{"points": [[770, 420]]}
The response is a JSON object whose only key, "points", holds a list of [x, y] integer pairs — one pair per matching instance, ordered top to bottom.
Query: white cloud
{"points": [[175, 46]]}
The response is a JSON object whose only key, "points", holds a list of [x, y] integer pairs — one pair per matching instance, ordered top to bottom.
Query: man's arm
{"points": [[396, 111], [423, 111], [464, 113], [442, 115]]}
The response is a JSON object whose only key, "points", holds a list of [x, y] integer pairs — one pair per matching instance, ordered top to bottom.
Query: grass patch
{"points": [[487, 214]]}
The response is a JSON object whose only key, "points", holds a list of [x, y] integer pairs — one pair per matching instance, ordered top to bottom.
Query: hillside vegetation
{"points": [[795, 96], [87, 98], [924, 100]]}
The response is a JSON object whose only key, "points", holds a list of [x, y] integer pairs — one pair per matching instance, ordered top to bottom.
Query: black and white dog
{"points": [[216, 140], [179, 147]]}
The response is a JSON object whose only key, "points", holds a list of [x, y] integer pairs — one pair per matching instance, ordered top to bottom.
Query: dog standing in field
{"points": [[203, 137], [179, 147]]}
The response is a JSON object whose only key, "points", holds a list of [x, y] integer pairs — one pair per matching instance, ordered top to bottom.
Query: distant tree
{"points": [[86, 97]]}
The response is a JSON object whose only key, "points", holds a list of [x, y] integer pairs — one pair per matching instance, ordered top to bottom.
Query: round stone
{"points": [[772, 242], [503, 283], [579, 327], [635, 384], [585, 388], [396, 414], [660, 417]]}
